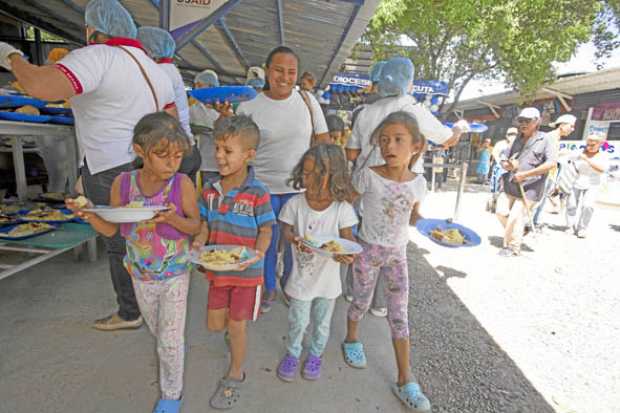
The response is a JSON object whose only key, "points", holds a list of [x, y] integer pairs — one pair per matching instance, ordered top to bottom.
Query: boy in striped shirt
{"points": [[237, 211]]}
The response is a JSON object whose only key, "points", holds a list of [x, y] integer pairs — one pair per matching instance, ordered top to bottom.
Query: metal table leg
{"points": [[20, 168]]}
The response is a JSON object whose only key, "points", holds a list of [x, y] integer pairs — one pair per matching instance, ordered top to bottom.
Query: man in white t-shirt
{"points": [[161, 47], [108, 95]]}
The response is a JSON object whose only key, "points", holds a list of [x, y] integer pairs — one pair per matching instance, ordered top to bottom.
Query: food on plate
{"points": [[15, 85], [28, 110], [81, 201], [135, 204], [10, 209], [47, 215], [4, 219], [30, 228], [449, 236], [333, 246], [222, 257]]}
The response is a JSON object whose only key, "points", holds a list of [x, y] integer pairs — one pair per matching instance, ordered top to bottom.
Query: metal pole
{"points": [[433, 177], [460, 191]]}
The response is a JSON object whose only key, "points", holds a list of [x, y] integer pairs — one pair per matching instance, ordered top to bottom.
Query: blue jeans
{"points": [[271, 258], [320, 311]]}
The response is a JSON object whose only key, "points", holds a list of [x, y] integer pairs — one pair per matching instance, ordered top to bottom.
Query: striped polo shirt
{"points": [[234, 219]]}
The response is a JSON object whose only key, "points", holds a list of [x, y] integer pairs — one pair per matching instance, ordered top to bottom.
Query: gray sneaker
{"points": [[581, 234], [507, 252], [115, 322]]}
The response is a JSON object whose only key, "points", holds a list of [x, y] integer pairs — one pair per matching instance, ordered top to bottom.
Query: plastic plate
{"points": [[232, 94], [52, 110], [22, 117], [474, 127], [125, 215], [425, 226], [5, 230], [350, 247], [246, 254]]}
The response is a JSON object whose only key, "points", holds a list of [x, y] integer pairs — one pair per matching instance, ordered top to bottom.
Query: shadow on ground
{"points": [[615, 227], [498, 242], [460, 366]]}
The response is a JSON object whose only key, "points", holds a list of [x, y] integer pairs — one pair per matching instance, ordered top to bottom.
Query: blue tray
{"points": [[231, 94], [16, 101], [57, 111], [22, 117], [63, 120], [474, 127], [63, 210], [13, 220], [425, 226], [10, 227]]}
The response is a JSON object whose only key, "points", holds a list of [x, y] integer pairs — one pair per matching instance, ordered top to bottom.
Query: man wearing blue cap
{"points": [[111, 85]]}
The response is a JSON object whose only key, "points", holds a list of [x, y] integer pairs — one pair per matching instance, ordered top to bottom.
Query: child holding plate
{"points": [[237, 211], [309, 220], [158, 250]]}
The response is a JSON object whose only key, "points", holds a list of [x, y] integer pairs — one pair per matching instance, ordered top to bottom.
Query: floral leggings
{"points": [[388, 262], [164, 307]]}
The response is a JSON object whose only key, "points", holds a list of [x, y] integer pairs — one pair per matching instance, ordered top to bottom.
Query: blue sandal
{"points": [[354, 355], [411, 395], [168, 406]]}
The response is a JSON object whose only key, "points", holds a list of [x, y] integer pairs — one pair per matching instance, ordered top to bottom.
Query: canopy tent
{"points": [[236, 35]]}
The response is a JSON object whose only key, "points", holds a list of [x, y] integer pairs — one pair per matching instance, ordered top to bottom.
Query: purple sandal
{"points": [[288, 368], [312, 368]]}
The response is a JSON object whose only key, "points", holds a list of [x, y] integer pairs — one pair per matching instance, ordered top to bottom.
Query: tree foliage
{"points": [[460, 40]]}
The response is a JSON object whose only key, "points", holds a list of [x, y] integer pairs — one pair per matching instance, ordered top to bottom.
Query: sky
{"points": [[582, 61]]}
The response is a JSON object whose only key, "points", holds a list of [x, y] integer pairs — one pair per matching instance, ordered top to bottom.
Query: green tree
{"points": [[460, 40]]}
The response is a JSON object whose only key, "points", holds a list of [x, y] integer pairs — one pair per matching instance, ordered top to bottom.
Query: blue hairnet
{"points": [[111, 18], [158, 42], [375, 71], [208, 77], [395, 77], [257, 83], [334, 123]]}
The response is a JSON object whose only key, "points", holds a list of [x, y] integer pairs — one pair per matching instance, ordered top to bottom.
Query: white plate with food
{"points": [[126, 215], [330, 246], [221, 257]]}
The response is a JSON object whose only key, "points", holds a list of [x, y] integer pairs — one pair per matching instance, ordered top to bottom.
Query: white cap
{"points": [[529, 113], [566, 118], [512, 131], [595, 137]]}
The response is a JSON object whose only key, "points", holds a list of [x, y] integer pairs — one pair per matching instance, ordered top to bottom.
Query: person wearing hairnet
{"points": [[161, 47], [256, 78], [394, 81], [109, 94], [373, 96], [202, 118]]}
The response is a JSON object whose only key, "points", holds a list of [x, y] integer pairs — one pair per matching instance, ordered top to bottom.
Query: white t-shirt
{"points": [[111, 96], [180, 96], [201, 115], [372, 115], [285, 132], [499, 148], [588, 177], [387, 207], [315, 276]]}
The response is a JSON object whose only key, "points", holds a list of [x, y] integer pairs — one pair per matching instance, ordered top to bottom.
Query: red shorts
{"points": [[242, 302]]}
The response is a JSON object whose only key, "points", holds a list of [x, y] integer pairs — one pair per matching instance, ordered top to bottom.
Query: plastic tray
{"points": [[231, 94], [16, 101], [57, 111], [22, 117], [63, 120], [63, 210], [12, 220], [425, 226], [7, 229], [246, 255]]}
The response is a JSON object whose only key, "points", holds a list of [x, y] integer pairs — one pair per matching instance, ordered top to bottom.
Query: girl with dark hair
{"points": [[290, 122]]}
